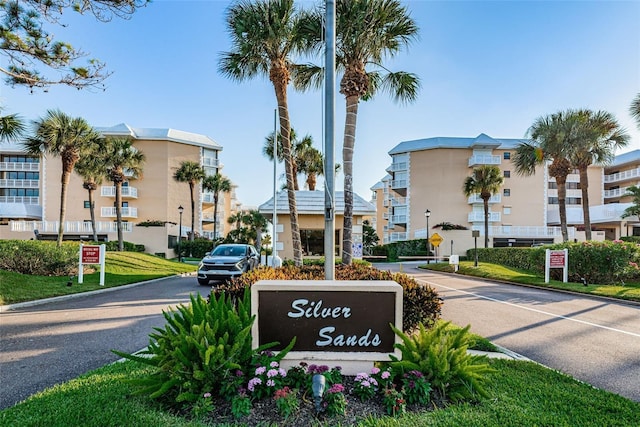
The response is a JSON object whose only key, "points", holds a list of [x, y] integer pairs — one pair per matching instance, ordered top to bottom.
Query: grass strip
{"points": [[121, 268], [626, 291]]}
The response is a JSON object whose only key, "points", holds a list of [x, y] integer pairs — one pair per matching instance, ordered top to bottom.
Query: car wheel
{"points": [[203, 282]]}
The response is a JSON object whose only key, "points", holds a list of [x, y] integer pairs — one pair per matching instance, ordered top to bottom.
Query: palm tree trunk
{"points": [[285, 131], [347, 159], [584, 186], [63, 203], [562, 206], [193, 212], [92, 213], [119, 215], [215, 216], [486, 222]]}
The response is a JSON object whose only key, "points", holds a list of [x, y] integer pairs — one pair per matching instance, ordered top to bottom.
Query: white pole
{"points": [[329, 143], [274, 252], [103, 256], [80, 272]]}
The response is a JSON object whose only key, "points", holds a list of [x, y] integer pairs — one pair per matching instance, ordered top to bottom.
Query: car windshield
{"points": [[228, 251]]}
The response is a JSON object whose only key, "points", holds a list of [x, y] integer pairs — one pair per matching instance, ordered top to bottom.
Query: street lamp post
{"points": [[180, 210], [427, 214]]}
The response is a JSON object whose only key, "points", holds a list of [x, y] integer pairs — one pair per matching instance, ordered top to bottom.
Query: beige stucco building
{"points": [[428, 174], [30, 193], [310, 207]]}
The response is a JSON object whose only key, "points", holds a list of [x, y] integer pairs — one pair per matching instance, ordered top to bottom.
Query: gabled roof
{"points": [[160, 134], [482, 140], [312, 202]]}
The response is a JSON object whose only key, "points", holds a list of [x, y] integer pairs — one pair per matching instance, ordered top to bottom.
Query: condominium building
{"points": [[429, 174], [30, 193]]}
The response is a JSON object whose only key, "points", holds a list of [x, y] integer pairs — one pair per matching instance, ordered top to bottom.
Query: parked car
{"points": [[227, 261]]}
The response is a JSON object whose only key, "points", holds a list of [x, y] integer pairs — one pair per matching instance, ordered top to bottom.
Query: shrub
{"points": [[112, 246], [196, 248], [39, 258], [421, 303], [197, 349], [440, 353]]}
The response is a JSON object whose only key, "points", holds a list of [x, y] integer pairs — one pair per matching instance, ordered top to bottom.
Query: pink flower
{"points": [[274, 364], [261, 370], [375, 370], [272, 373], [385, 375], [253, 382], [271, 383], [336, 388], [206, 395]]}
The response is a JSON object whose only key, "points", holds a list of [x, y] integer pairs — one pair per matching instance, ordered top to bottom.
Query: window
{"points": [[507, 155], [507, 174], [506, 192], [87, 205], [506, 210]]}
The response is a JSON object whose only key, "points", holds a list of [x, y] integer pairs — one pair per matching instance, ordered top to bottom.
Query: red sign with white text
{"points": [[90, 255], [556, 259]]}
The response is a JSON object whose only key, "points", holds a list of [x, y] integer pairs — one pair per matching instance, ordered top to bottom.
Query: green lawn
{"points": [[121, 268], [628, 291], [521, 394]]}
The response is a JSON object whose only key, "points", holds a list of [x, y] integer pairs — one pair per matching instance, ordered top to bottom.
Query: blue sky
{"points": [[486, 67]]}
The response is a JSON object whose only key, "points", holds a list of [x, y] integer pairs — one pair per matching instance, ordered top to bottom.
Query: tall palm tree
{"points": [[367, 32], [264, 34], [635, 109], [11, 127], [62, 136], [599, 136], [552, 138], [306, 159], [122, 160], [311, 163], [91, 168], [192, 173], [486, 181], [216, 184], [634, 209], [256, 223]]}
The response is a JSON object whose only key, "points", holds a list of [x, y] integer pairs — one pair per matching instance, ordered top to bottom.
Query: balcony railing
{"points": [[484, 159], [210, 162], [19, 166], [398, 166], [621, 176], [19, 183], [399, 183], [128, 192], [615, 192], [496, 198], [25, 200], [398, 201], [125, 212], [479, 216], [399, 219], [69, 226], [513, 231], [397, 237]]}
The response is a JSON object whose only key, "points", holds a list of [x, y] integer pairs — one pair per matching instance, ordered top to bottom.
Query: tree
{"points": [[367, 31], [264, 34], [26, 44], [635, 109], [11, 127], [599, 136], [66, 137], [552, 139], [306, 158], [122, 161], [91, 167], [192, 173], [485, 181], [216, 184], [633, 210], [256, 223], [369, 236]]}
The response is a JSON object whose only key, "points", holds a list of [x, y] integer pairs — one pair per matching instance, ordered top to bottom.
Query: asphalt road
{"points": [[594, 340], [44, 345]]}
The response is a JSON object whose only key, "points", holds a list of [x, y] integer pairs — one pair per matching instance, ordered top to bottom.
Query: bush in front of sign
{"points": [[421, 303], [440, 354]]}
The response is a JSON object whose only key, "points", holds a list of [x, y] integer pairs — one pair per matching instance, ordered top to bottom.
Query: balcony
{"points": [[484, 159], [210, 162], [19, 166], [398, 166], [621, 176], [19, 183], [399, 183], [127, 192], [616, 192], [207, 198], [496, 198], [25, 200], [398, 201], [125, 212], [479, 217], [399, 219], [69, 226], [397, 237]]}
